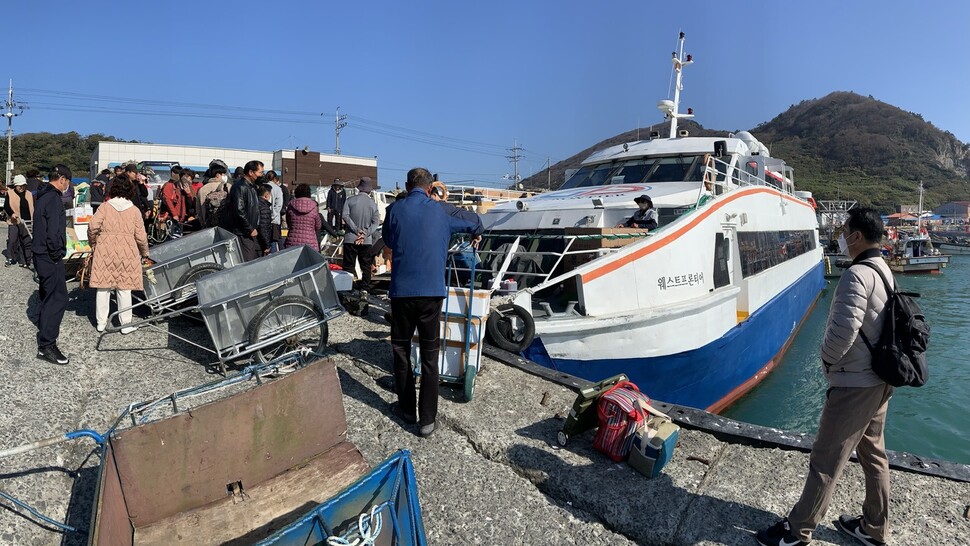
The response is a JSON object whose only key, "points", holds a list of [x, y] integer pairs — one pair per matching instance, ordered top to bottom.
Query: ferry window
{"points": [[672, 169], [631, 172], [592, 175], [765, 249], [722, 255]]}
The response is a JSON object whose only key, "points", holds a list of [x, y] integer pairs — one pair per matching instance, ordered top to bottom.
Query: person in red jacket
{"points": [[173, 199]]}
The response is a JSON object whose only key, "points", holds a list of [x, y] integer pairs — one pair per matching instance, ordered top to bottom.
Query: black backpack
{"points": [[215, 206], [899, 356]]}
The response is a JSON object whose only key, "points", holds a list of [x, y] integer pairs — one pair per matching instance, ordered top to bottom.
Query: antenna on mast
{"points": [[670, 107]]}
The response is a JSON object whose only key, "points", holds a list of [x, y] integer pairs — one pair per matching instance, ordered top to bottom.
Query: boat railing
{"points": [[497, 262]]}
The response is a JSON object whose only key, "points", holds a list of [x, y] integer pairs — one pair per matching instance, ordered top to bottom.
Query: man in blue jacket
{"points": [[418, 231], [50, 247]]}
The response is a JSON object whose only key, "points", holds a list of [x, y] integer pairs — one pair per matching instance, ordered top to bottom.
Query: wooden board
{"points": [[186, 461], [264, 508]]}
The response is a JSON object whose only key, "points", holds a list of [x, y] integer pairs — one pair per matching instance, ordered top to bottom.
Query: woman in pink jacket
{"points": [[303, 219], [117, 235]]}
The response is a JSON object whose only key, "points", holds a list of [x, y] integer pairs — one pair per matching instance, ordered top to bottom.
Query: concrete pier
{"points": [[491, 474]]}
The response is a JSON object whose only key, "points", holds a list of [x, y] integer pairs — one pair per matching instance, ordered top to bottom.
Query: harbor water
{"points": [[929, 421]]}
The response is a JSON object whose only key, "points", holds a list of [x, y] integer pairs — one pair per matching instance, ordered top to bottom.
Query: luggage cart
{"points": [[267, 308], [463, 318]]}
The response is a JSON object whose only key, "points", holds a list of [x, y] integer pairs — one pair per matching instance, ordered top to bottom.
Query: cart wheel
{"points": [[195, 273], [282, 315], [510, 327], [470, 373], [562, 438]]}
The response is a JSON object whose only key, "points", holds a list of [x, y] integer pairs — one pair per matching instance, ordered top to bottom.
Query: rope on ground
{"points": [[369, 525]]}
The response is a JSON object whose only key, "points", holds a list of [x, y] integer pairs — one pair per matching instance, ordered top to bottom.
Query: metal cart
{"points": [[170, 282], [268, 308]]}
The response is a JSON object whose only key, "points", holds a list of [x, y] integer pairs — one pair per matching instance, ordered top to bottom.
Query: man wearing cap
{"points": [[336, 198], [19, 207], [645, 217], [362, 220], [49, 247]]}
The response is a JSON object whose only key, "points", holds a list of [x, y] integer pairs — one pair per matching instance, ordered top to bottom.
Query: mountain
{"points": [[847, 146], [44, 150]]}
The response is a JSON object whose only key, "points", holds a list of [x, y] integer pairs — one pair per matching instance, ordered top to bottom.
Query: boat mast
{"points": [[672, 110], [919, 211]]}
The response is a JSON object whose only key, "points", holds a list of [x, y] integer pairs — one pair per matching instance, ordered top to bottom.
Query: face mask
{"points": [[843, 245]]}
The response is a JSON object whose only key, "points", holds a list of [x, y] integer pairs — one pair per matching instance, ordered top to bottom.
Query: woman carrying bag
{"points": [[117, 235]]}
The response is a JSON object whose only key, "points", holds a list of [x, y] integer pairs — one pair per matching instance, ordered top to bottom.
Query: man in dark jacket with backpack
{"points": [[241, 210], [419, 231], [854, 414]]}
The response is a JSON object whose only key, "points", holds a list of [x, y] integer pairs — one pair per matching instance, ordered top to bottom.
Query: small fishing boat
{"points": [[952, 245], [912, 250]]}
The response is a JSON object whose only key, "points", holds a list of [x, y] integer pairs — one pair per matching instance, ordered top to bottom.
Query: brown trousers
{"points": [[852, 419]]}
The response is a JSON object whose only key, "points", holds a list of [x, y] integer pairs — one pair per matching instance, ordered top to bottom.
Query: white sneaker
{"points": [[101, 328], [128, 329]]}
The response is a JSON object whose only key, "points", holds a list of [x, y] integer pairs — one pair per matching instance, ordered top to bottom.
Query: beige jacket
{"points": [[117, 234], [858, 304]]}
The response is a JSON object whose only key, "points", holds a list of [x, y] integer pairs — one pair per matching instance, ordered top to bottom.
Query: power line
{"points": [[152, 102]]}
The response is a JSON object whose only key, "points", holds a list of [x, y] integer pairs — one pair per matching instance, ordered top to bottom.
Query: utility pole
{"points": [[11, 106], [338, 124], [514, 158], [549, 173]]}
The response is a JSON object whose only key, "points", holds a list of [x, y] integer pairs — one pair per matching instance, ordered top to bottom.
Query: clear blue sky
{"points": [[457, 82]]}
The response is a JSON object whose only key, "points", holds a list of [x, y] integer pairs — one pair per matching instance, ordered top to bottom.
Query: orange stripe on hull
{"points": [[669, 238]]}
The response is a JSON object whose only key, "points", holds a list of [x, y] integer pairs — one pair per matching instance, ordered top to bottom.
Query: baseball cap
{"points": [[61, 170], [20, 180], [365, 184]]}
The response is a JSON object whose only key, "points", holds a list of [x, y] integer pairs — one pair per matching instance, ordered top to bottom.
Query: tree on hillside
{"points": [[44, 150]]}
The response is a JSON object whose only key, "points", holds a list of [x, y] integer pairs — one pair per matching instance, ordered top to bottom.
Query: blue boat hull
{"points": [[712, 376]]}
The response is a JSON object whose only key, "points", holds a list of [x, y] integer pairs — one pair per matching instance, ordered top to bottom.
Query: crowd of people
{"points": [[254, 206]]}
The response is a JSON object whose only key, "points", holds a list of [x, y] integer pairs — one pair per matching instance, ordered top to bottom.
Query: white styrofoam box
{"points": [[82, 214], [342, 281], [457, 302], [453, 329], [451, 361]]}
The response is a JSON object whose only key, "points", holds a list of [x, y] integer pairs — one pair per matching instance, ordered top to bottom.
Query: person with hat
{"points": [[99, 188], [336, 198], [19, 207], [645, 217], [362, 220], [49, 248]]}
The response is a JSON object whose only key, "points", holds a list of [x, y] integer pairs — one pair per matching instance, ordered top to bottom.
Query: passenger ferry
{"points": [[695, 312]]}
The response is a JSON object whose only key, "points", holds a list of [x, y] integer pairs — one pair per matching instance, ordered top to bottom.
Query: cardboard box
{"points": [[601, 237]]}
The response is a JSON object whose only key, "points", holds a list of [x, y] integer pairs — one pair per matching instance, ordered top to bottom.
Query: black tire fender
{"points": [[493, 327]]}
